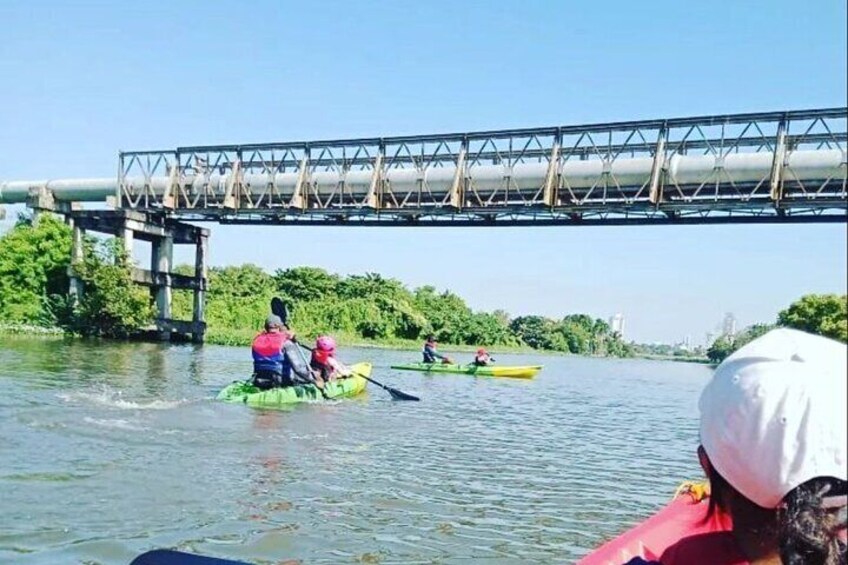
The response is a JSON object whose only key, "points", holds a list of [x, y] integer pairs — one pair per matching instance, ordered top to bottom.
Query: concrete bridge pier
{"points": [[162, 233], [78, 236], [161, 260]]}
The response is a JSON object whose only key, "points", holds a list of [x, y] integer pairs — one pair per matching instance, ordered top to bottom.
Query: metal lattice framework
{"points": [[767, 167]]}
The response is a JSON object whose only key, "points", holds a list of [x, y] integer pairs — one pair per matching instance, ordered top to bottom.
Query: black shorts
{"points": [[265, 380]]}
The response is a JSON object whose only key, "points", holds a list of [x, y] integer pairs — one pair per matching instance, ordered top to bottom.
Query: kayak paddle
{"points": [[170, 557]]}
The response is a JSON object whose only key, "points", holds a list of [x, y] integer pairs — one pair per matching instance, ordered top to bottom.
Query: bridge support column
{"points": [[127, 236], [161, 259], [75, 287], [198, 314]]}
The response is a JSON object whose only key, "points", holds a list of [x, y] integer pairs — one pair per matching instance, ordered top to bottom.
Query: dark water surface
{"points": [[107, 450]]}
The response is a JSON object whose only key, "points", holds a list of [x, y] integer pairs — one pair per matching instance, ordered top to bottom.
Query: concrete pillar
{"points": [[127, 237], [161, 259], [76, 286], [198, 315]]}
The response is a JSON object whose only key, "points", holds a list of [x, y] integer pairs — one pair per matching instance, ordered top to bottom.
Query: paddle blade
{"points": [[278, 307], [396, 394], [399, 395], [169, 557]]}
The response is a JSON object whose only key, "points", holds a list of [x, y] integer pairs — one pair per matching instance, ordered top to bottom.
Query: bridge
{"points": [[776, 167]]}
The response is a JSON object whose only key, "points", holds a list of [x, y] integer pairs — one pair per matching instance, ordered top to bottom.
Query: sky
{"points": [[81, 81]]}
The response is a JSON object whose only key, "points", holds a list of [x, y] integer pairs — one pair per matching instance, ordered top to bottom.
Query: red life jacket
{"points": [[267, 352], [320, 357]]}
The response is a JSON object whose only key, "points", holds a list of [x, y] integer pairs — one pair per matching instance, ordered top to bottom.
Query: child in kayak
{"points": [[429, 352], [482, 358], [324, 359], [773, 445]]}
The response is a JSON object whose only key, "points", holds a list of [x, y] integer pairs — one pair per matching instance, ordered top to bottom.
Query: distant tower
{"points": [[617, 324], [729, 325]]}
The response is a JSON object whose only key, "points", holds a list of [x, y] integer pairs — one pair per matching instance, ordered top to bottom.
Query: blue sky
{"points": [[80, 81]]}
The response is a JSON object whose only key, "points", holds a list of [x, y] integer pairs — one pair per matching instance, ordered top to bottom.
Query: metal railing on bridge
{"points": [[788, 166], [739, 168]]}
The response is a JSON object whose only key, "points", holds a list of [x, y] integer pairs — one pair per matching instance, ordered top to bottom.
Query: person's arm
{"points": [[338, 367], [303, 371]]}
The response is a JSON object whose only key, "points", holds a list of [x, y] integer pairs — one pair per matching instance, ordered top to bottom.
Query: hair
{"points": [[807, 532]]}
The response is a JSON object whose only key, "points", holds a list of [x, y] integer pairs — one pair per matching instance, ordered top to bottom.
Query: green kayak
{"points": [[525, 372], [242, 392]]}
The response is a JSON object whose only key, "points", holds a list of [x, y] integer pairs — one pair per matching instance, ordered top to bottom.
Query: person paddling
{"points": [[429, 352], [482, 358], [276, 360], [324, 360], [773, 445]]}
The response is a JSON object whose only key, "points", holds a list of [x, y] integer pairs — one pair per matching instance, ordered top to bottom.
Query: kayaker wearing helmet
{"points": [[429, 352], [482, 358], [324, 359], [276, 361], [773, 445]]}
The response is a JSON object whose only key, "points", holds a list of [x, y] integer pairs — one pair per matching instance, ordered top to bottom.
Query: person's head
{"points": [[274, 323], [431, 338], [325, 343], [482, 351], [773, 442]]}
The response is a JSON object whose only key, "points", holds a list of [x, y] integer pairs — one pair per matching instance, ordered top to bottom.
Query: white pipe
{"points": [[633, 172]]}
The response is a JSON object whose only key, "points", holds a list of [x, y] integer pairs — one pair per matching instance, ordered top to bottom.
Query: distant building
{"points": [[617, 324], [728, 327]]}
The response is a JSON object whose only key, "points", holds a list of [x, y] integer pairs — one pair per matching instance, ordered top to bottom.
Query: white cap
{"points": [[774, 415]]}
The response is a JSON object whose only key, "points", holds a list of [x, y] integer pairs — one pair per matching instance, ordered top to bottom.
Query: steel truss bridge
{"points": [[737, 168]]}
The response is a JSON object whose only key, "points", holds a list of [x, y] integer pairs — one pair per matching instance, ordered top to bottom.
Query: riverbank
{"points": [[27, 329], [243, 338]]}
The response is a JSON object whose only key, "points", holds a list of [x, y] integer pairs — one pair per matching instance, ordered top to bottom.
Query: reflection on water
{"points": [[109, 449]]}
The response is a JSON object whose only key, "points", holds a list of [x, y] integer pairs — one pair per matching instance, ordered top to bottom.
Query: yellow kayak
{"points": [[515, 372]]}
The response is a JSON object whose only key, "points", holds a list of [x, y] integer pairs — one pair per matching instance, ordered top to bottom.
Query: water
{"points": [[108, 450]]}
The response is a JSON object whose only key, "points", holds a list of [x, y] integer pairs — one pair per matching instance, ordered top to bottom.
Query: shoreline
{"points": [[242, 338]]}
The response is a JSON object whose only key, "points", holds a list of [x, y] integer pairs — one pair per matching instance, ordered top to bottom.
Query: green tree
{"points": [[34, 259], [300, 284], [239, 296], [112, 305], [446, 313], [823, 314], [535, 331], [724, 345], [720, 349]]}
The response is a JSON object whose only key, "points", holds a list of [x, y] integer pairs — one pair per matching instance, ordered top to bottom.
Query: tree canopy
{"points": [[822, 314]]}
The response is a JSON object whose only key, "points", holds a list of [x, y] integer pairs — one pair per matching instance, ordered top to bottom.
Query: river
{"points": [[109, 449]]}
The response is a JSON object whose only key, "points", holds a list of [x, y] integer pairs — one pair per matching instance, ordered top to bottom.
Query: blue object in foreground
{"points": [[170, 557]]}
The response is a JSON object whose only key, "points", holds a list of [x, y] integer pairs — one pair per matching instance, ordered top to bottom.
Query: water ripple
{"points": [[133, 454]]}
